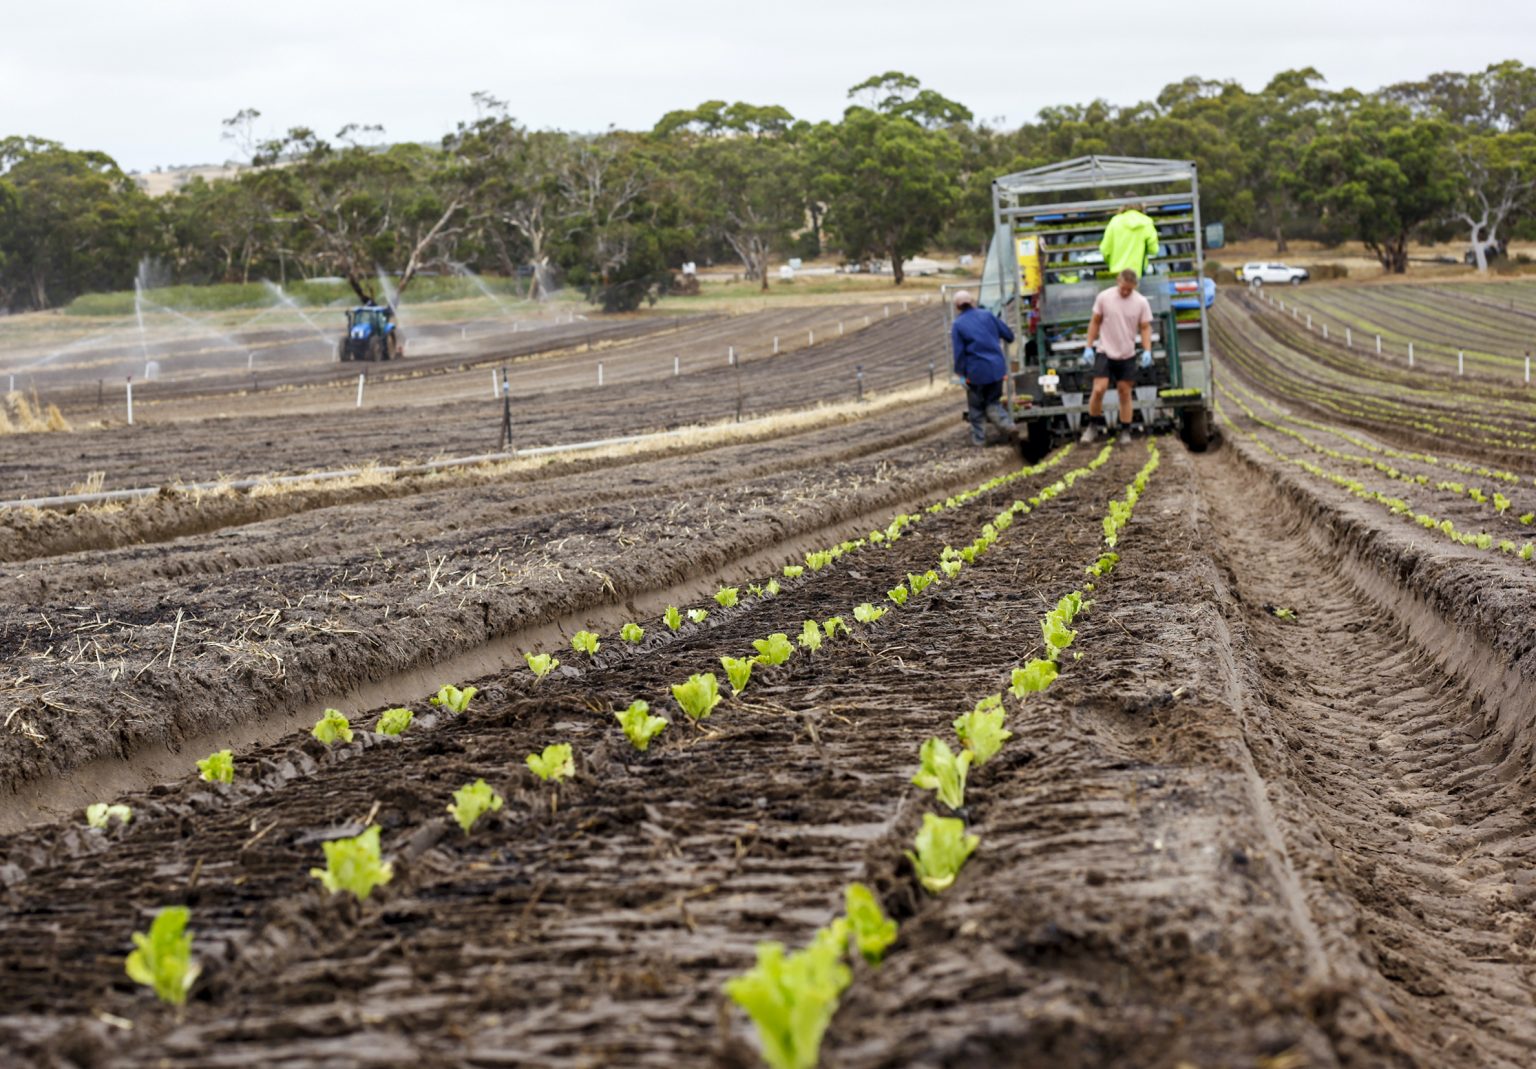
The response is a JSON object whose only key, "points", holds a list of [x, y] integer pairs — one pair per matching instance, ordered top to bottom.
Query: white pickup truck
{"points": [[1259, 274]]}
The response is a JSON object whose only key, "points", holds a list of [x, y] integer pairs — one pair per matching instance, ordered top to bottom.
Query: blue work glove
{"points": [[1088, 356], [1144, 358]]}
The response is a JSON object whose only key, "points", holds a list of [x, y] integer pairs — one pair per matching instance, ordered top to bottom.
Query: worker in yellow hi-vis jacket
{"points": [[1130, 241]]}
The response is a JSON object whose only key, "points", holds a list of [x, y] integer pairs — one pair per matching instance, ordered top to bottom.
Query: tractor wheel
{"points": [[375, 349], [343, 351], [1196, 429], [1034, 440]]}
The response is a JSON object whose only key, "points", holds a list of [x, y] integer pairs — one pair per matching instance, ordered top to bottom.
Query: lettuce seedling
{"points": [[1500, 503], [1528, 519], [876, 537], [820, 560], [1103, 566], [951, 567], [793, 571], [920, 583], [773, 588], [755, 590], [897, 594], [725, 597], [867, 613], [698, 616], [672, 618], [832, 623], [631, 632], [1057, 635], [810, 636], [586, 642], [775, 649], [541, 664], [739, 671], [1034, 676], [699, 696], [452, 698], [394, 721], [332, 726], [640, 727], [981, 730], [557, 762], [218, 767], [943, 772], [471, 802], [99, 814], [942, 848], [354, 865], [872, 930], [163, 959], [791, 999]]}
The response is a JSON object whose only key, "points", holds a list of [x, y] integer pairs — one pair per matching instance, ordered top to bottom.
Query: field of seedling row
{"points": [[833, 742]]}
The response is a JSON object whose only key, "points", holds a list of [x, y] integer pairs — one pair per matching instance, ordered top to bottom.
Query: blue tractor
{"points": [[372, 334]]}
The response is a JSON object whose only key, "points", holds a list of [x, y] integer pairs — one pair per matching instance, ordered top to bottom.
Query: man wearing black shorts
{"points": [[1119, 314]]}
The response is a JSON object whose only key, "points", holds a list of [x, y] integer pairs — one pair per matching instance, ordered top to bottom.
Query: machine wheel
{"points": [[1295, 281], [391, 347], [375, 349], [343, 351], [1196, 429], [1035, 440]]}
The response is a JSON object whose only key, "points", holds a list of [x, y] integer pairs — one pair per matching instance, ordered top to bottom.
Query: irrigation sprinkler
{"points": [[931, 369], [858, 376], [361, 378], [101, 387], [130, 399], [506, 412]]}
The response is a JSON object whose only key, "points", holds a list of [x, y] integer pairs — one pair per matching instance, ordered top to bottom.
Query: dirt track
{"points": [[1279, 813]]}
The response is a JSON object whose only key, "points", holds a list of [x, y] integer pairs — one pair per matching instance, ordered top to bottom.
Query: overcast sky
{"points": [[149, 82]]}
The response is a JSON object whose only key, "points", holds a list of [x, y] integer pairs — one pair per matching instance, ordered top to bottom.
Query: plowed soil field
{"points": [[1275, 809]]}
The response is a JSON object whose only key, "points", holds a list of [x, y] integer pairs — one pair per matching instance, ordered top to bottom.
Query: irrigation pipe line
{"points": [[68, 500]]}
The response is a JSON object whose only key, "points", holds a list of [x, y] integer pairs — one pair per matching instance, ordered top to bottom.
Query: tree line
{"points": [[903, 170]]}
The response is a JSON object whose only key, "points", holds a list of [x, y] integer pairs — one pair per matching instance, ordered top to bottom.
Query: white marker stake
{"points": [[887, 316], [1309, 320], [866, 321], [839, 328], [1325, 331], [810, 337], [1349, 337], [775, 345], [1378, 345], [1410, 354], [730, 355], [1461, 362], [677, 366], [1527, 371], [599, 372], [360, 380], [495, 392], [130, 400]]}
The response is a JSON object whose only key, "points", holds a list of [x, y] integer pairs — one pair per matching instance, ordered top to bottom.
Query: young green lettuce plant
{"points": [[793, 571], [920, 583], [898, 594], [726, 596], [867, 613], [698, 616], [672, 618], [832, 624], [631, 632], [810, 636], [586, 642], [775, 649], [541, 664], [739, 671], [1034, 676], [699, 696], [452, 698], [394, 721], [332, 726], [640, 727], [981, 730], [556, 763], [218, 767], [943, 772], [471, 802], [100, 814], [942, 847], [354, 865], [872, 930], [162, 959], [791, 998]]}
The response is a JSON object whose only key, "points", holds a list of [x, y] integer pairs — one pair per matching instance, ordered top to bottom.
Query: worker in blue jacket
{"points": [[977, 337]]}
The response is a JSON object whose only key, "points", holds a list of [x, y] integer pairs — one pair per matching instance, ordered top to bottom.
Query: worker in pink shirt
{"points": [[1119, 315]]}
